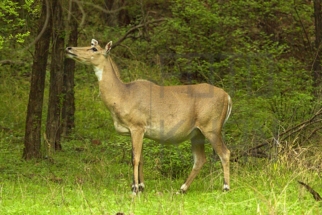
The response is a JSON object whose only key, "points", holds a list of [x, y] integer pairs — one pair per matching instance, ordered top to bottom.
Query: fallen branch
{"points": [[11, 62], [302, 125], [5, 129], [313, 132], [282, 137], [250, 152], [315, 194]]}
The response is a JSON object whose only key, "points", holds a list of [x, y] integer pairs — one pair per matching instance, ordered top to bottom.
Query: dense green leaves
{"points": [[13, 21], [244, 47]]}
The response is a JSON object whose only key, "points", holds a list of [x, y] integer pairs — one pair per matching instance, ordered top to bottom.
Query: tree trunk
{"points": [[116, 17], [110, 19], [69, 67], [317, 74], [53, 127], [32, 141]]}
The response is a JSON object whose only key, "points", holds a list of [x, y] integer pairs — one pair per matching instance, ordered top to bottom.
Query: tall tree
{"points": [[69, 67], [317, 73], [53, 126], [32, 140]]}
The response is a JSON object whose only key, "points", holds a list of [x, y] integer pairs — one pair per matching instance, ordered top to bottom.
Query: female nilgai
{"points": [[168, 114]]}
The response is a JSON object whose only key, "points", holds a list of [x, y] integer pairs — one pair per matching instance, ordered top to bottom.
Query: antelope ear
{"points": [[94, 43], [108, 47]]}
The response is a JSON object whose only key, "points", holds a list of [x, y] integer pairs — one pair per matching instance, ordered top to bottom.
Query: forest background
{"points": [[265, 54]]}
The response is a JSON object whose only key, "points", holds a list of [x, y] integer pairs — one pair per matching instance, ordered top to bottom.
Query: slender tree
{"points": [[69, 67], [317, 73], [53, 126], [32, 140]]}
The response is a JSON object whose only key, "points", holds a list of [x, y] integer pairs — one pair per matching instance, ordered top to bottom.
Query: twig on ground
{"points": [[315, 194]]}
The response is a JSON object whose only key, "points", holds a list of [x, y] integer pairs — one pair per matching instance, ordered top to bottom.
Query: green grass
{"points": [[86, 178]]}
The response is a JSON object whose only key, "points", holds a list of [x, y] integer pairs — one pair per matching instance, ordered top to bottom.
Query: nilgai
{"points": [[167, 114]]}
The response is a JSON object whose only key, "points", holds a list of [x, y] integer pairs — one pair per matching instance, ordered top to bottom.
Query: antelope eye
{"points": [[94, 49]]}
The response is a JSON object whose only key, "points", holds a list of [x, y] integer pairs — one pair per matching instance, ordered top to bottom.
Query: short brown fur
{"points": [[168, 114]]}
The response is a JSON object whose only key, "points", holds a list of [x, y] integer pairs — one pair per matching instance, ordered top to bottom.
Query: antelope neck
{"points": [[98, 73], [107, 76]]}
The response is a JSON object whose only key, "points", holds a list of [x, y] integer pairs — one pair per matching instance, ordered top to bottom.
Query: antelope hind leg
{"points": [[224, 155], [199, 157]]}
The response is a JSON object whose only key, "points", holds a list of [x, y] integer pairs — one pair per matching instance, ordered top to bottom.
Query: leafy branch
{"points": [[129, 33]]}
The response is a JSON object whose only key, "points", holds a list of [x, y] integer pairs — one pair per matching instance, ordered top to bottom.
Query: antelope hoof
{"points": [[141, 187], [226, 187], [135, 189], [183, 189]]}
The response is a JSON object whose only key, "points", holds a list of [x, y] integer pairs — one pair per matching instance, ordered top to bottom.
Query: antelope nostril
{"points": [[68, 48]]}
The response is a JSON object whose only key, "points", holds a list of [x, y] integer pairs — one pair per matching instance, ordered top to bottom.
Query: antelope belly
{"points": [[170, 136]]}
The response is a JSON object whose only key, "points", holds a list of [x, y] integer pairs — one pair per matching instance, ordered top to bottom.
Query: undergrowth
{"points": [[86, 178]]}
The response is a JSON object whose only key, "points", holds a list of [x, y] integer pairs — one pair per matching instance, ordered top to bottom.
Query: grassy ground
{"points": [[89, 178], [85, 179]]}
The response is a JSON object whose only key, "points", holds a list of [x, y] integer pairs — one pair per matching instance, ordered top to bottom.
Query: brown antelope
{"points": [[168, 114]]}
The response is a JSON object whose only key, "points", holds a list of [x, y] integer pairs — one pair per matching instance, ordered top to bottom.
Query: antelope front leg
{"points": [[137, 141]]}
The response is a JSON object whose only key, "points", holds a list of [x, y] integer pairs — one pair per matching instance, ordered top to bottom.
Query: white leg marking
{"points": [[141, 185], [135, 187], [183, 187], [226, 187]]}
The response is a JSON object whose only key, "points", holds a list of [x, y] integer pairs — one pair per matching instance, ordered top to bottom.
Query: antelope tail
{"points": [[230, 105]]}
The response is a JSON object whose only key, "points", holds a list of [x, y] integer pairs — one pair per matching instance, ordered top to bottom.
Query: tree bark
{"points": [[119, 15], [111, 19], [317, 73], [68, 110], [53, 126], [32, 140]]}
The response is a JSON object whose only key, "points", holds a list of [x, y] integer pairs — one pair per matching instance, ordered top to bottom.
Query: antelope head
{"points": [[92, 55]]}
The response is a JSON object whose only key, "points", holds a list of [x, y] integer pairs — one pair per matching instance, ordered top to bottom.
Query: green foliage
{"points": [[13, 23], [269, 93], [14, 94], [170, 161]]}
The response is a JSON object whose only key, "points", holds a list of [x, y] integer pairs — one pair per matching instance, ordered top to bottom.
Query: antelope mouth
{"points": [[69, 52]]}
